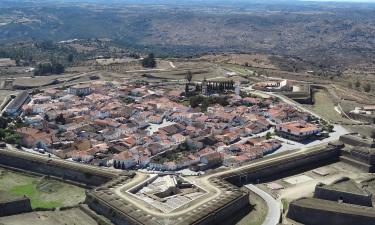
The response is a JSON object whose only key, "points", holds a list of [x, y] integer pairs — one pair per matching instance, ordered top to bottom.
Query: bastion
{"points": [[344, 190], [11, 204], [313, 211]]}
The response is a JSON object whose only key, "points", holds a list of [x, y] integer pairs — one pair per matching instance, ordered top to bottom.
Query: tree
{"points": [[70, 58], [149, 61], [49, 68], [57, 68], [189, 76], [357, 84], [350, 85], [367, 87], [197, 88], [195, 101], [60, 119], [3, 123], [330, 128], [2, 134], [268, 135], [372, 135], [13, 139]]}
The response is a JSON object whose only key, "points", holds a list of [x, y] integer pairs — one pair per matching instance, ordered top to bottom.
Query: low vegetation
{"points": [[49, 68], [204, 102], [7, 130], [43, 192]]}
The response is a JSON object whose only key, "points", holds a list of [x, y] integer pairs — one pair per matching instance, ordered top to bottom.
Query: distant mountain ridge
{"points": [[316, 32]]}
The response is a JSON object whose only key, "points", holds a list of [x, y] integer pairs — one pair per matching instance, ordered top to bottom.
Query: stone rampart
{"points": [[354, 140], [326, 154], [70, 171], [346, 197], [15, 206], [319, 212]]}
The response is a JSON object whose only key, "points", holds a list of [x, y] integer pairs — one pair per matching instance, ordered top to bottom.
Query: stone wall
{"points": [[303, 97], [363, 117], [354, 140], [328, 154], [358, 164], [64, 170], [346, 197], [17, 206], [323, 212], [223, 213], [114, 215], [119, 217]]}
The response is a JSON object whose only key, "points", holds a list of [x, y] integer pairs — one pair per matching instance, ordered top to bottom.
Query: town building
{"points": [[80, 89], [14, 107], [297, 130]]}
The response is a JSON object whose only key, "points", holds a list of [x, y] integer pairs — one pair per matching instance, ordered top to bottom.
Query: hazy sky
{"points": [[340, 0], [347, 0]]}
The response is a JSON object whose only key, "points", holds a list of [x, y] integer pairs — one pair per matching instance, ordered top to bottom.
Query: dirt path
{"points": [[172, 65]]}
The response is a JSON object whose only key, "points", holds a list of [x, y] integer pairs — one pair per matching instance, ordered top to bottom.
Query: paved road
{"points": [[274, 207]]}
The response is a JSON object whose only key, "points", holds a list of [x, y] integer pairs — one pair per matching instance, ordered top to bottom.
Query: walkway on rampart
{"points": [[274, 206]]}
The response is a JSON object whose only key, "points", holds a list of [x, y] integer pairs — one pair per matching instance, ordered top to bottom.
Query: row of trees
{"points": [[49, 68], [220, 86]]}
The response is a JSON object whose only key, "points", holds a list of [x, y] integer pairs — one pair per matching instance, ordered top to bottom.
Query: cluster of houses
{"points": [[128, 125]]}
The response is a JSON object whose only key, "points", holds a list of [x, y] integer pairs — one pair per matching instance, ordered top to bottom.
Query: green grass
{"points": [[238, 69], [185, 103], [325, 107], [27, 189], [43, 192], [37, 201], [285, 204]]}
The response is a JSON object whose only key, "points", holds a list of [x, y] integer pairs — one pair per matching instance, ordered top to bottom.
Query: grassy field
{"points": [[238, 69], [325, 107], [43, 192], [285, 204]]}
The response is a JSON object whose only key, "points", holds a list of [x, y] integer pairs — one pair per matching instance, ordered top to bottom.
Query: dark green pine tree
{"points": [[197, 88]]}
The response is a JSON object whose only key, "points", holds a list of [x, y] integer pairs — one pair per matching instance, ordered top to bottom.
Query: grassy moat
{"points": [[43, 192]]}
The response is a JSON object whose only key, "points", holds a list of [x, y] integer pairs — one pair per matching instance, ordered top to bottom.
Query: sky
{"points": [[340, 0]]}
